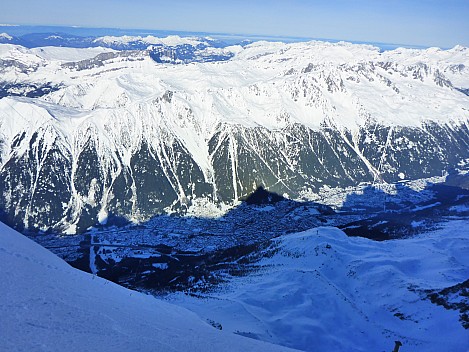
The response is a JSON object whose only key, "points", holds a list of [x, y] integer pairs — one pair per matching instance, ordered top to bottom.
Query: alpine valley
{"points": [[234, 180]]}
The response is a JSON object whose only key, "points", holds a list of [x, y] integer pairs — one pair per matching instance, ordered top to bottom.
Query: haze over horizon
{"points": [[414, 22]]}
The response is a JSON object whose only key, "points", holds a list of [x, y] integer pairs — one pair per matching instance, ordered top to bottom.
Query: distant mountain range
{"points": [[76, 36]]}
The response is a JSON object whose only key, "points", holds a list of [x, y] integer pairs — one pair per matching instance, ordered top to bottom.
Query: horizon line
{"points": [[241, 35]]}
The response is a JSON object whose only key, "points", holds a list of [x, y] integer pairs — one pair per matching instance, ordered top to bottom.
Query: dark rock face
{"points": [[185, 53], [98, 60], [25, 90], [416, 152], [326, 157], [47, 182], [35, 185], [453, 298]]}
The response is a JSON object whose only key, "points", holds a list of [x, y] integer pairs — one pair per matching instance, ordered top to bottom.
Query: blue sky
{"points": [[443, 23]]}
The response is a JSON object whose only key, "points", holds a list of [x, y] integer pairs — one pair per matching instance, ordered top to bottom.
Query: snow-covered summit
{"points": [[5, 36], [172, 40], [65, 54], [308, 83], [49, 306]]}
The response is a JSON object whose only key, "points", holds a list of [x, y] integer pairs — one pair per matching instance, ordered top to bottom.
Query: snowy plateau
{"points": [[307, 195]]}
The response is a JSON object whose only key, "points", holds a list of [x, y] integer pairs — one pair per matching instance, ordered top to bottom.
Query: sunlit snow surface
{"points": [[305, 80], [323, 291], [46, 305]]}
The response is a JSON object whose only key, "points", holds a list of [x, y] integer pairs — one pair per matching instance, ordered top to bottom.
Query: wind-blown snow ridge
{"points": [[49, 306]]}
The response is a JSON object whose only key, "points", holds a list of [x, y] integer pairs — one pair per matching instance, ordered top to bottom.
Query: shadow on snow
{"points": [[174, 253]]}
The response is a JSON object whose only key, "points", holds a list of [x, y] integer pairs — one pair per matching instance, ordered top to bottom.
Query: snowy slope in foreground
{"points": [[320, 290], [49, 306]]}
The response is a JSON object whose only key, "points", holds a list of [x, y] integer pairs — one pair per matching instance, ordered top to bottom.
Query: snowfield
{"points": [[64, 54], [303, 82], [320, 290], [49, 306]]}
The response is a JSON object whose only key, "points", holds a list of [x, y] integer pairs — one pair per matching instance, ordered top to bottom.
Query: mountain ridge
{"points": [[125, 134]]}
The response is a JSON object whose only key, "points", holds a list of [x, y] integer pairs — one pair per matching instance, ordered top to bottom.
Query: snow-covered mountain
{"points": [[5, 38], [172, 49], [123, 134], [320, 290], [49, 306]]}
